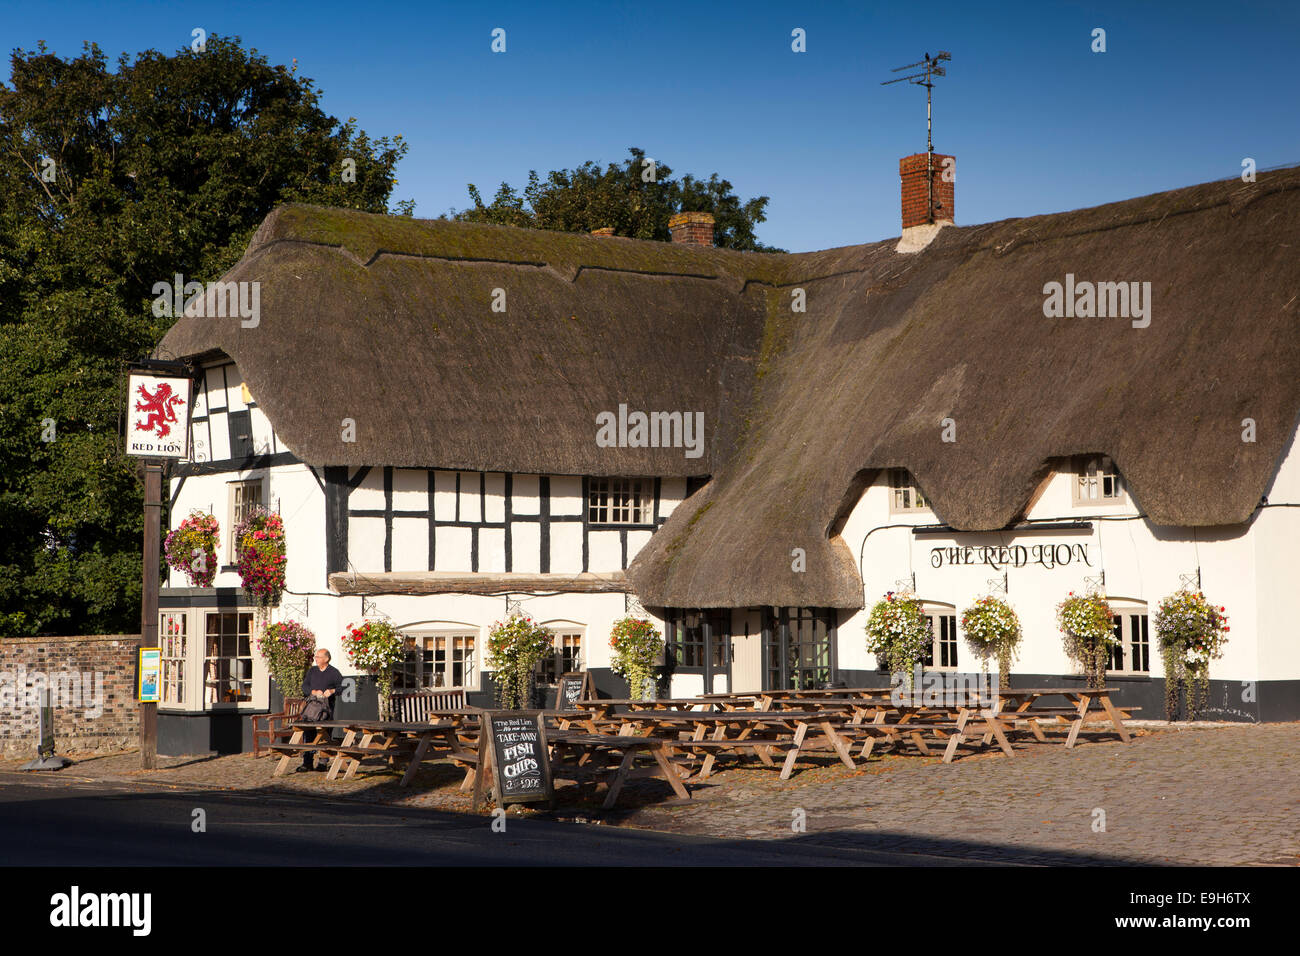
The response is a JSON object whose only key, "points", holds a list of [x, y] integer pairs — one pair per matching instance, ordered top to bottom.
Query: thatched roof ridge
{"points": [[386, 320], [864, 380]]}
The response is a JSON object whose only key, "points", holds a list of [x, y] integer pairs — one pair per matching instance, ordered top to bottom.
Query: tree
{"points": [[111, 181], [625, 198]]}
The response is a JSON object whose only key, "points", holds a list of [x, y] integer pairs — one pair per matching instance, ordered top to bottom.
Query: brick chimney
{"points": [[911, 169], [692, 228]]}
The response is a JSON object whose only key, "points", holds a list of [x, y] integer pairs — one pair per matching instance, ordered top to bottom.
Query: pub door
{"points": [[799, 648]]}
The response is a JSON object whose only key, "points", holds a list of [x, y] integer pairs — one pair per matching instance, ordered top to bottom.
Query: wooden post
{"points": [[153, 504]]}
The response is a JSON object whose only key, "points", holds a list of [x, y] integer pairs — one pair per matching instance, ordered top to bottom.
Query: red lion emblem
{"points": [[161, 406]]}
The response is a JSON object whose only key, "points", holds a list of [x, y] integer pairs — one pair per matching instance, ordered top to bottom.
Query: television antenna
{"points": [[931, 67]]}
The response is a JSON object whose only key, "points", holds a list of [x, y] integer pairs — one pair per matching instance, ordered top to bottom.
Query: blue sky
{"points": [[1038, 122]]}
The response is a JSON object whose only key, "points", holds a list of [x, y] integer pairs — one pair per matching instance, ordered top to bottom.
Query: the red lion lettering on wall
{"points": [[161, 408]]}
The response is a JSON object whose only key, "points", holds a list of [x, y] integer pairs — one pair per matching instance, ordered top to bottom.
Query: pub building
{"points": [[456, 421]]}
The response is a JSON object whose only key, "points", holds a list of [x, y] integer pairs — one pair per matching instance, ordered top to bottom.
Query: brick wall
{"points": [[911, 170], [92, 678]]}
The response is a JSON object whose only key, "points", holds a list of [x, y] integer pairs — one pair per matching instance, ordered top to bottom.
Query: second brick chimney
{"points": [[911, 169], [692, 228]]}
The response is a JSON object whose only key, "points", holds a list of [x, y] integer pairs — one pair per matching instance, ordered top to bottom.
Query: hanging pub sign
{"points": [[158, 416], [572, 688], [517, 750]]}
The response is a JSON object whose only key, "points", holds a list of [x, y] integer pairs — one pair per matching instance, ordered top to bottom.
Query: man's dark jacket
{"points": [[327, 679]]}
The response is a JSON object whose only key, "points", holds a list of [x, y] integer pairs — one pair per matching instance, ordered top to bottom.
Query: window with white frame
{"points": [[1097, 481], [904, 495], [244, 496], [620, 501], [172, 627], [942, 652], [1132, 655], [566, 656], [228, 657], [442, 659]]}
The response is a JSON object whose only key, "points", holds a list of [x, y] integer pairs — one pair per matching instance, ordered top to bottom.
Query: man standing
{"points": [[322, 681]]}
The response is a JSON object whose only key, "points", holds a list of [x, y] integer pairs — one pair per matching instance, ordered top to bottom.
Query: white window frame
{"points": [[1089, 479], [904, 495], [632, 496], [234, 508], [1125, 611], [932, 612], [426, 641], [177, 669], [211, 681]]}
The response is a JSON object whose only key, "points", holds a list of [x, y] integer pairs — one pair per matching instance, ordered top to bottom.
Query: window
{"points": [[1097, 481], [903, 493], [244, 495], [620, 501], [171, 638], [699, 640], [800, 648], [942, 653], [1133, 653], [228, 657], [566, 659], [438, 660]]}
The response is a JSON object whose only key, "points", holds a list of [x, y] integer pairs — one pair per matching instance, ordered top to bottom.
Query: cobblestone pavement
{"points": [[1223, 796]]}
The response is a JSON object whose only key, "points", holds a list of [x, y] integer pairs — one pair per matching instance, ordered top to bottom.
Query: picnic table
{"points": [[705, 734], [595, 751]]}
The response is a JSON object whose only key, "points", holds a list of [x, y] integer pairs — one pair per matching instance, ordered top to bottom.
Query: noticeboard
{"points": [[150, 669], [572, 688], [521, 764]]}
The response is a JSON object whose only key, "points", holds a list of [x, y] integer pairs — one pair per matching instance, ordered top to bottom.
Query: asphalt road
{"points": [[45, 821]]}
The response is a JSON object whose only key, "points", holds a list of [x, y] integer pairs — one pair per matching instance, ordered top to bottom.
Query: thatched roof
{"points": [[808, 405]]}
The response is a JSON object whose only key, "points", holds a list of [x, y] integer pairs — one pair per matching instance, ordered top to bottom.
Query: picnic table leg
{"points": [[1082, 710], [963, 716], [1115, 718], [995, 730], [348, 739], [838, 743], [421, 749], [792, 754], [353, 761], [283, 766], [706, 767], [669, 771], [616, 785]]}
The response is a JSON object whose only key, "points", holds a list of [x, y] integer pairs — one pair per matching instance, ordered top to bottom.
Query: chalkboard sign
{"points": [[572, 688], [521, 764]]}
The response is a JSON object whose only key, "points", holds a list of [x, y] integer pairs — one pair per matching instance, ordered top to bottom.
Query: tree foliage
{"points": [[111, 181], [622, 197]]}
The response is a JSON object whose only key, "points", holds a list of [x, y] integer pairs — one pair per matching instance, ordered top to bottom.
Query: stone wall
{"points": [[91, 679]]}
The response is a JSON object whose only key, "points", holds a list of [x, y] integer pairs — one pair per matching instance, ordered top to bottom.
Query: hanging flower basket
{"points": [[192, 549], [260, 554], [1086, 620], [993, 630], [1192, 632], [898, 633], [636, 646], [374, 647], [515, 647], [287, 648]]}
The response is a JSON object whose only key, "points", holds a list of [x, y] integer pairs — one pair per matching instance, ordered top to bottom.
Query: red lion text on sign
{"points": [[161, 406]]}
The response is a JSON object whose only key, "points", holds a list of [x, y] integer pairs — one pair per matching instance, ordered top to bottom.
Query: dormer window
{"points": [[1097, 481], [904, 495]]}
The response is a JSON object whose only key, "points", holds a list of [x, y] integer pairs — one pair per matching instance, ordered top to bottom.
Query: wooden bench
{"points": [[415, 706], [276, 723]]}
